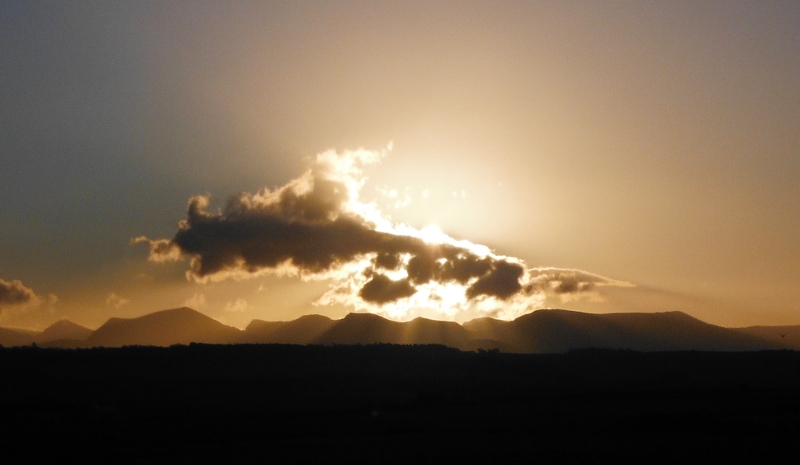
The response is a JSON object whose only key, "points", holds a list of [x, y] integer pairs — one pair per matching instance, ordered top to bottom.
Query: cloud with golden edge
{"points": [[317, 228], [161, 250]]}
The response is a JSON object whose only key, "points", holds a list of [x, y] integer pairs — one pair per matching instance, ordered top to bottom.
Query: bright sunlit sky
{"points": [[647, 143]]}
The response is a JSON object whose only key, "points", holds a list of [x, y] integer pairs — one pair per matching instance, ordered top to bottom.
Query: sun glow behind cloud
{"points": [[317, 227]]}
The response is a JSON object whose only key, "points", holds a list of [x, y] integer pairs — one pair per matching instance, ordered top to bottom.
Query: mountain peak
{"points": [[363, 316], [181, 325], [64, 329]]}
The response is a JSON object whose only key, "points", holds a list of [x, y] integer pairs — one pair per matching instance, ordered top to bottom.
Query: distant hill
{"points": [[167, 327], [363, 328], [366, 328], [63, 330], [304, 330], [425, 331], [542, 331], [554, 331], [784, 336], [16, 337]]}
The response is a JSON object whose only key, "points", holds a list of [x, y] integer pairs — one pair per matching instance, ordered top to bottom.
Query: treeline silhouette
{"points": [[394, 404]]}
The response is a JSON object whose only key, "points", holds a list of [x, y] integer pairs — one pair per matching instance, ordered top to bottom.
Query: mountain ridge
{"points": [[181, 325], [541, 331]]}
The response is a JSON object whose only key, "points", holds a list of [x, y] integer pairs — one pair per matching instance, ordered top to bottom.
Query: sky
{"points": [[452, 160]]}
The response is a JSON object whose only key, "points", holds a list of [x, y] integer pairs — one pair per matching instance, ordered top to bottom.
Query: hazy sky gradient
{"points": [[656, 143]]}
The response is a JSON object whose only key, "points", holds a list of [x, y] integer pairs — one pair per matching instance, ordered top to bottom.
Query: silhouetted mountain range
{"points": [[543, 331]]}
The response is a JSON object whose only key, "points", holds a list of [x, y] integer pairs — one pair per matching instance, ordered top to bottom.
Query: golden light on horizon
{"points": [[541, 153], [317, 227]]}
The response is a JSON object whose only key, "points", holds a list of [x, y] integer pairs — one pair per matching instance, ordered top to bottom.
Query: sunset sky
{"points": [[440, 159]]}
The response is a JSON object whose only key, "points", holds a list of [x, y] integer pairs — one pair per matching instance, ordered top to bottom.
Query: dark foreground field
{"points": [[395, 404]]}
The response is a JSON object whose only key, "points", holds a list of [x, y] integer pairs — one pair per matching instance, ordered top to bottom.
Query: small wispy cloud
{"points": [[396, 198], [161, 250], [116, 301], [197, 301], [240, 305]]}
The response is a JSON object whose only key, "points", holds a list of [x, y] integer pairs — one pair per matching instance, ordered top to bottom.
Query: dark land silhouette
{"points": [[543, 331], [176, 386], [379, 403]]}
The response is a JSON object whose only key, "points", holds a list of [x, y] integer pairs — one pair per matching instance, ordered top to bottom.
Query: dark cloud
{"points": [[316, 227], [251, 236], [315, 237], [388, 261], [422, 267], [464, 267], [502, 281], [567, 282], [573, 285], [380, 289], [15, 293]]}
